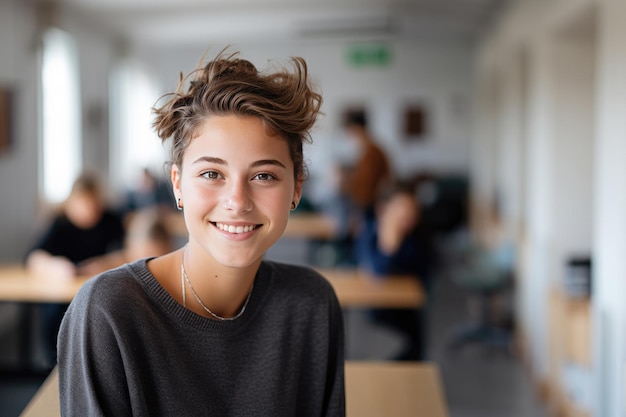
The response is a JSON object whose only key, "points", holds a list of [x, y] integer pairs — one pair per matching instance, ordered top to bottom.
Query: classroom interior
{"points": [[509, 115]]}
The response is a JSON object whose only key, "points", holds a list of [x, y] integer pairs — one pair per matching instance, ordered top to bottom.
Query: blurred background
{"points": [[508, 116]]}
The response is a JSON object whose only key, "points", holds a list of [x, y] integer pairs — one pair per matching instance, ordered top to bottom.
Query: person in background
{"points": [[371, 172], [150, 191], [147, 235], [80, 237], [83, 239], [394, 242], [212, 328]]}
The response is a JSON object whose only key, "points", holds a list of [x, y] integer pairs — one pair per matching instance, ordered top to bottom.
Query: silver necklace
{"points": [[184, 278]]}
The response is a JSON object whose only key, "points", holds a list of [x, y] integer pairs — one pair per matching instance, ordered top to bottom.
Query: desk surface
{"points": [[310, 226], [17, 284], [354, 288], [373, 389], [399, 389], [46, 401]]}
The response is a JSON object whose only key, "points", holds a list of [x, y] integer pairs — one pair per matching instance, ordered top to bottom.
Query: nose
{"points": [[237, 198]]}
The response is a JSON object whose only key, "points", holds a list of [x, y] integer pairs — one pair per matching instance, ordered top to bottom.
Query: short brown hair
{"points": [[285, 101]]}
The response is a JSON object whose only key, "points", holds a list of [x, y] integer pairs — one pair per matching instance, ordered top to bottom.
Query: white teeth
{"points": [[235, 229]]}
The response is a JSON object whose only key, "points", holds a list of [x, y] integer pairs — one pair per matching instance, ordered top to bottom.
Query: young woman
{"points": [[212, 329]]}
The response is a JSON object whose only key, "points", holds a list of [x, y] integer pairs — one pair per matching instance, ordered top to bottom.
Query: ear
{"points": [[175, 177], [297, 192]]}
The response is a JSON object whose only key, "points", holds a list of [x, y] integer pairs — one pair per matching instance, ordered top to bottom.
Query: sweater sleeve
{"points": [[91, 371], [335, 395]]}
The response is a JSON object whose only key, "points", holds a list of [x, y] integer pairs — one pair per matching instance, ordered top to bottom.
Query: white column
{"points": [[539, 194], [609, 269]]}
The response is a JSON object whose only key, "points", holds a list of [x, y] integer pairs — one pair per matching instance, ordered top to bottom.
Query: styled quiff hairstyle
{"points": [[285, 101]]}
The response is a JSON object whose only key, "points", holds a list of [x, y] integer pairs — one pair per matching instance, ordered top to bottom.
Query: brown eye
{"points": [[211, 175], [264, 176]]}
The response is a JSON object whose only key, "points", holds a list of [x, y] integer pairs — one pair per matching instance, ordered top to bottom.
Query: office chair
{"points": [[488, 275]]}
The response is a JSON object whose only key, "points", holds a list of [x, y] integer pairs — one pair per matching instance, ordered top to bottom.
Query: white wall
{"points": [[542, 59], [18, 167], [575, 170], [20, 203], [610, 214]]}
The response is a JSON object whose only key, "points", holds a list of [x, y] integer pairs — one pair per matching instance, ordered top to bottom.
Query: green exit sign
{"points": [[370, 55]]}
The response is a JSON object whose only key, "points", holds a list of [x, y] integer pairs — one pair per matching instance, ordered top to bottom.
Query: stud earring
{"points": [[179, 206]]}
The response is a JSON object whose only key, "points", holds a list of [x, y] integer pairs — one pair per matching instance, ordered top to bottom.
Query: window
{"points": [[134, 144], [61, 148]]}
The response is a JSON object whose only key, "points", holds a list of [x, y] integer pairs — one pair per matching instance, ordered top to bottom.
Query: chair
{"points": [[487, 274]]}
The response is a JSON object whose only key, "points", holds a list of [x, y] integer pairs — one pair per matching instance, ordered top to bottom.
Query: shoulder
{"points": [[60, 221], [299, 276], [302, 283], [111, 289], [303, 290]]}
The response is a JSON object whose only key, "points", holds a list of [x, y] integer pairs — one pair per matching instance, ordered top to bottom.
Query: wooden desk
{"points": [[310, 226], [18, 285], [356, 288], [373, 389], [398, 389], [46, 401]]}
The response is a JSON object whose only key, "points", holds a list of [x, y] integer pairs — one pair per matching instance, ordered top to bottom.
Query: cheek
{"points": [[198, 198], [278, 201]]}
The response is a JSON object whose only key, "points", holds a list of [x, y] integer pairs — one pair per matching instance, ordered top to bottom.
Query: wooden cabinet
{"points": [[570, 344]]}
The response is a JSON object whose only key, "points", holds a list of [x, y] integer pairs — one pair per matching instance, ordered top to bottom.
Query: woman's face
{"points": [[236, 186]]}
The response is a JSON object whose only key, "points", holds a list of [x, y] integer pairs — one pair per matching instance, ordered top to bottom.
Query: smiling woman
{"points": [[212, 329]]}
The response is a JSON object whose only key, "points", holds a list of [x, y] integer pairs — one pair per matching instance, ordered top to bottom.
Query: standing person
{"points": [[371, 172], [84, 238], [213, 329]]}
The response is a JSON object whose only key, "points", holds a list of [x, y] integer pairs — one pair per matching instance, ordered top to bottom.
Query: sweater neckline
{"points": [[164, 301]]}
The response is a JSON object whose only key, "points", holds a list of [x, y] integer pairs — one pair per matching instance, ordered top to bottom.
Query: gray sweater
{"points": [[126, 347]]}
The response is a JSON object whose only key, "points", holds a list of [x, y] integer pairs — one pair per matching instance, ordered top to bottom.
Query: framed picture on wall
{"points": [[6, 119], [415, 122]]}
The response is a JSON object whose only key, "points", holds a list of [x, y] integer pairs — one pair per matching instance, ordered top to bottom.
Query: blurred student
{"points": [[371, 172], [150, 191], [81, 235], [147, 236], [83, 239], [392, 242], [212, 328]]}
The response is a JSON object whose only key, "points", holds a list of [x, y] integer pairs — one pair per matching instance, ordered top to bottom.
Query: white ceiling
{"points": [[195, 21]]}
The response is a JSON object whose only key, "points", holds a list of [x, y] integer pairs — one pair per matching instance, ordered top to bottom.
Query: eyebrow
{"points": [[255, 164]]}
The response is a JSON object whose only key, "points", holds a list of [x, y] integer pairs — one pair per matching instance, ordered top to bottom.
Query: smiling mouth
{"points": [[236, 229]]}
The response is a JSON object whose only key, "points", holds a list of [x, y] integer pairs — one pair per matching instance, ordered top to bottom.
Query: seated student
{"points": [[79, 236], [147, 236], [81, 240], [392, 242]]}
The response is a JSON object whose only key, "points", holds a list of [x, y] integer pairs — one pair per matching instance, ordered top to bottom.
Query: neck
{"points": [[222, 289]]}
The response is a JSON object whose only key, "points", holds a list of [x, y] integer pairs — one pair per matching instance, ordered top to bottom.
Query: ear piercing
{"points": [[293, 205], [179, 206]]}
